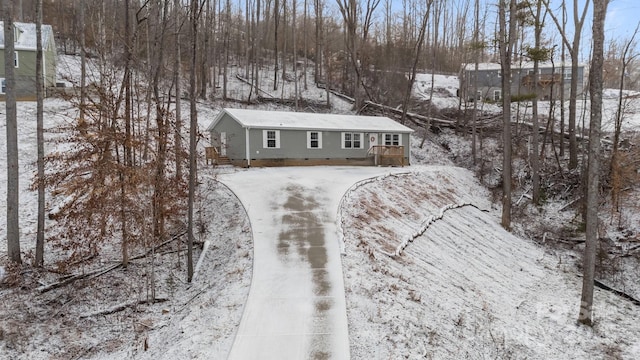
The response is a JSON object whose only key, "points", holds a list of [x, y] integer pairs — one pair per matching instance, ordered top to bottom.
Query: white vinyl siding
{"points": [[271, 139], [392, 139], [314, 140], [352, 140]]}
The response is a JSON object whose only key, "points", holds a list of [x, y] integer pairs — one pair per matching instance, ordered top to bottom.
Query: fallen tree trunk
{"points": [[66, 280], [622, 294], [120, 307]]}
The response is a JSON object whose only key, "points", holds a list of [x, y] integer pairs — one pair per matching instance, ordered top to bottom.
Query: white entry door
{"points": [[373, 140], [223, 144]]}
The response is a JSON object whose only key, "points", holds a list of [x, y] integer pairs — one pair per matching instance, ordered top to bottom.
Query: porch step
{"points": [[223, 160]]}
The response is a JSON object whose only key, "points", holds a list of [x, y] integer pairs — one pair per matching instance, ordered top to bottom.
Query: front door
{"points": [[373, 140], [223, 143]]}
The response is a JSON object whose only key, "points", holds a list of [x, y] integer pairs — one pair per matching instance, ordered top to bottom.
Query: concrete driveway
{"points": [[296, 305]]}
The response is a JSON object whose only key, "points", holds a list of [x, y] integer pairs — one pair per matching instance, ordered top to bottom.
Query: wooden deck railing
{"points": [[211, 153], [389, 155]]}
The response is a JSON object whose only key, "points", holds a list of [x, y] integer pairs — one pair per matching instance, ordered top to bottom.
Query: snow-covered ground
{"points": [[462, 288], [465, 288]]}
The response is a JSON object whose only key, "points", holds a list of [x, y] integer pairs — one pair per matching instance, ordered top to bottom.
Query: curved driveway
{"points": [[296, 305]]}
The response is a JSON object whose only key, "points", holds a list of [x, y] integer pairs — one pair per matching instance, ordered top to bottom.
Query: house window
{"points": [[16, 63], [567, 74], [3, 86], [497, 94], [271, 139], [392, 139], [314, 140], [352, 140]]}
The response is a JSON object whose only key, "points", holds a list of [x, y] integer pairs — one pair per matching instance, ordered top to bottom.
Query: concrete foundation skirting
{"points": [[306, 162]]}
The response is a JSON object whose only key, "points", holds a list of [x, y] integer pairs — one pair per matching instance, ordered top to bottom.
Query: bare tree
{"points": [[350, 11], [276, 21], [227, 35], [507, 36], [304, 41], [477, 46], [417, 51], [295, 52], [574, 52], [537, 54], [627, 57], [83, 63], [176, 80], [595, 90], [193, 129], [13, 230], [39, 259]]}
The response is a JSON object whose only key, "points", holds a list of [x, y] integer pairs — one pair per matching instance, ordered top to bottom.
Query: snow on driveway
{"points": [[296, 305]]}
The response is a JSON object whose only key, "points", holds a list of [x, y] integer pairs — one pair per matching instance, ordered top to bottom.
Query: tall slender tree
{"points": [[350, 10], [294, 21], [506, 41], [574, 52], [416, 53], [537, 54], [83, 63], [595, 121], [193, 129], [177, 135], [13, 230], [39, 259]]}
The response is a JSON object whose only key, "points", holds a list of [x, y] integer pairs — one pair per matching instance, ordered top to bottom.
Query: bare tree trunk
{"points": [[318, 5], [18, 11], [276, 21], [227, 35], [248, 37], [507, 38], [256, 44], [284, 44], [306, 47], [417, 50], [574, 51], [295, 55], [476, 58], [204, 59], [83, 65], [327, 71], [176, 79], [562, 83], [595, 90], [193, 129], [534, 157], [128, 158], [615, 166], [13, 229], [39, 260]]}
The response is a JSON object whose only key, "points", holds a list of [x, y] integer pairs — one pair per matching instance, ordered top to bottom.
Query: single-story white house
{"points": [[273, 138]]}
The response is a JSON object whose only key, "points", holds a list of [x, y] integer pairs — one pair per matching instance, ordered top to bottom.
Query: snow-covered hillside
{"points": [[465, 288]]}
